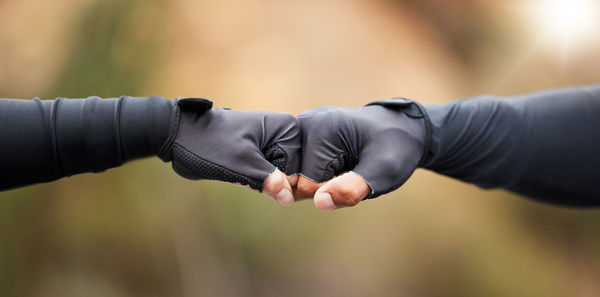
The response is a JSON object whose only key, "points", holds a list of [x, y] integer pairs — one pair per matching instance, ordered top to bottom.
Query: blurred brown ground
{"points": [[140, 230]]}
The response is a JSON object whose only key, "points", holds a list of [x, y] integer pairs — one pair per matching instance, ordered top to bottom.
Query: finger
{"points": [[285, 139], [326, 151], [293, 180], [278, 187], [305, 188], [347, 189]]}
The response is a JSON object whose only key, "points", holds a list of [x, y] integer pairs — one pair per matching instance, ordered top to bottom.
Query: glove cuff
{"points": [[199, 105], [414, 110]]}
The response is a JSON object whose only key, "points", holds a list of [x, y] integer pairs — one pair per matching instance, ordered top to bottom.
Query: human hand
{"points": [[260, 149], [350, 154]]}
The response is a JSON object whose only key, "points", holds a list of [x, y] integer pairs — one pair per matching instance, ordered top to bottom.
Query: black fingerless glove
{"points": [[384, 142], [228, 145]]}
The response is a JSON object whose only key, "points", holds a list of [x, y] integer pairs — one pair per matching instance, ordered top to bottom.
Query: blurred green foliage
{"points": [[108, 59]]}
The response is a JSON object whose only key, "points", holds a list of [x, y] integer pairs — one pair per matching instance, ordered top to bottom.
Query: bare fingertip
{"points": [[285, 197], [323, 201]]}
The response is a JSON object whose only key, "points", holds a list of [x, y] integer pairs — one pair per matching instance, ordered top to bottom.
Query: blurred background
{"points": [[141, 230]]}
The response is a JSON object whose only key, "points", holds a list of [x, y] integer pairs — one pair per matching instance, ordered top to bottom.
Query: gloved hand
{"points": [[247, 147], [376, 147]]}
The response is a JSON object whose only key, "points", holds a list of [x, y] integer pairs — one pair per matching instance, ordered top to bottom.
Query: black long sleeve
{"points": [[43, 140], [544, 145]]}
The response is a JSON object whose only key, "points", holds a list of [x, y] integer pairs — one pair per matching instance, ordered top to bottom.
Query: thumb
{"points": [[277, 186], [347, 189]]}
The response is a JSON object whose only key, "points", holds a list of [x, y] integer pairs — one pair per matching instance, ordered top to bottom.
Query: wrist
{"points": [[199, 105], [435, 115]]}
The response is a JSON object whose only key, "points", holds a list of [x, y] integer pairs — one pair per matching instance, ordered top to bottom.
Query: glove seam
{"points": [[428, 134], [165, 148]]}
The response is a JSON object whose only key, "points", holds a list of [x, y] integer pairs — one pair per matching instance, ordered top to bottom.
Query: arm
{"points": [[45, 140], [543, 145]]}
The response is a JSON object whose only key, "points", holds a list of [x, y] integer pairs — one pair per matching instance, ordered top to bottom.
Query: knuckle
{"points": [[315, 111], [284, 117], [290, 118], [284, 125], [320, 126], [294, 127], [306, 187]]}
